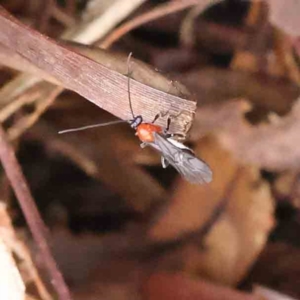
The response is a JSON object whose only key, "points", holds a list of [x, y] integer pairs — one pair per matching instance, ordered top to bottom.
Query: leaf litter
{"points": [[121, 226]]}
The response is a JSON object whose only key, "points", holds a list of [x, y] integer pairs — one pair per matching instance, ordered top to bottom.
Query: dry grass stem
{"points": [[158, 12], [32, 216]]}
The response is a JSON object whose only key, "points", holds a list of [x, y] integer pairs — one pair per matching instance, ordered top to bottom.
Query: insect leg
{"points": [[162, 114], [155, 118], [169, 119], [168, 124], [143, 145], [164, 162]]}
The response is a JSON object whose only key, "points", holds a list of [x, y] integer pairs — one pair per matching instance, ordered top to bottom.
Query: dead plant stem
{"points": [[32, 216]]}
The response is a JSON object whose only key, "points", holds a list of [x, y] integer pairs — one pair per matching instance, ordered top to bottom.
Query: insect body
{"points": [[145, 131], [172, 152]]}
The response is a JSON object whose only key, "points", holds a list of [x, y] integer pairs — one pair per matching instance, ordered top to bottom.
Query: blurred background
{"points": [[122, 227]]}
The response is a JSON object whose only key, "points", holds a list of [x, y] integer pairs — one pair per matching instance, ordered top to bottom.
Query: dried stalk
{"points": [[154, 14], [44, 101], [32, 216]]}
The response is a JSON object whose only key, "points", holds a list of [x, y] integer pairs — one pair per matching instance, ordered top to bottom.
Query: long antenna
{"points": [[128, 83], [112, 122], [91, 126]]}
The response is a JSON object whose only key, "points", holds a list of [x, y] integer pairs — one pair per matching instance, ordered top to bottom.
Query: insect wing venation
{"points": [[186, 163]]}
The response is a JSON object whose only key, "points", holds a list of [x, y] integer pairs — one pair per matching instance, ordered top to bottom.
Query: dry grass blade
{"points": [[18, 62], [140, 71], [24, 81], [103, 87]]}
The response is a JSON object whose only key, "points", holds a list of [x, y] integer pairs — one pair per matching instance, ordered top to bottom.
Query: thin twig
{"points": [[158, 12], [44, 15], [62, 17], [187, 25], [98, 27], [23, 99], [41, 105], [32, 216]]}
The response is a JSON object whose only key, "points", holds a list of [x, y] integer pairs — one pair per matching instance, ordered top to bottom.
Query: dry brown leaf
{"points": [[285, 14], [139, 70], [217, 85], [214, 118], [270, 146], [284, 183], [287, 187], [192, 205], [250, 211], [240, 232], [236, 240], [278, 268], [91, 271], [115, 280], [163, 286], [268, 294]]}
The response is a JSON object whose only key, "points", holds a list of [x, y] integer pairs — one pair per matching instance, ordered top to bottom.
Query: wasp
{"points": [[172, 152]]}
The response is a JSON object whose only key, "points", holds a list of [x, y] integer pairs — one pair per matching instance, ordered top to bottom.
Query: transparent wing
{"points": [[186, 163]]}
